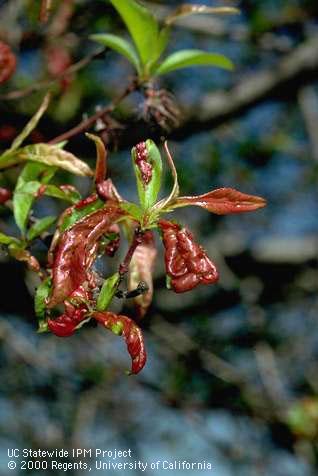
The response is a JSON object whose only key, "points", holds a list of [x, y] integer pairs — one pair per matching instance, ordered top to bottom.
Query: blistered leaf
{"points": [[190, 9], [142, 26], [120, 45], [188, 58], [31, 125], [53, 156], [147, 165], [223, 201], [83, 208], [40, 227], [76, 251], [187, 264], [140, 270], [107, 292], [41, 295], [122, 325]]}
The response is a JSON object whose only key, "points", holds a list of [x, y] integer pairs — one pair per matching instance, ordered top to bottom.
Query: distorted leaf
{"points": [[101, 162], [223, 201], [73, 215], [76, 251], [187, 264], [140, 270], [122, 325]]}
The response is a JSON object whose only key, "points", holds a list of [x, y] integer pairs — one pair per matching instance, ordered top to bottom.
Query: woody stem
{"points": [[137, 240]]}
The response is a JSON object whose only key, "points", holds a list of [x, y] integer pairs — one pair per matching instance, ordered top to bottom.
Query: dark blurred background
{"points": [[232, 369]]}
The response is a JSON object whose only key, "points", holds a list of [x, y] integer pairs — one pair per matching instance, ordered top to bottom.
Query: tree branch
{"points": [[280, 82]]}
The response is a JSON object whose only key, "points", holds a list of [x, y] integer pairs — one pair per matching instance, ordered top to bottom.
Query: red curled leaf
{"points": [[8, 62], [5, 195], [223, 201], [76, 251], [187, 264], [140, 270], [75, 312], [65, 325], [122, 325]]}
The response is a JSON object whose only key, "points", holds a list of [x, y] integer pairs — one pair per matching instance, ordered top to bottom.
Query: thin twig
{"points": [[36, 86], [88, 122], [137, 240]]}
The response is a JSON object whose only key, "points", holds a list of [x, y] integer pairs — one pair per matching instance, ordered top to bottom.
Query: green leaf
{"points": [[190, 9], [142, 26], [122, 46], [188, 58], [31, 125], [53, 156], [35, 171], [148, 192], [72, 196], [23, 199], [165, 203], [134, 210], [79, 213], [40, 226], [8, 240], [107, 292], [41, 295]]}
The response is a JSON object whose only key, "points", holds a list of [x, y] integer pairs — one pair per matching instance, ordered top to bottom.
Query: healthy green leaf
{"points": [[190, 9], [142, 26], [122, 46], [188, 58], [53, 156], [35, 171], [148, 191], [23, 199], [133, 210], [40, 226], [7, 240], [107, 292], [41, 295]]}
